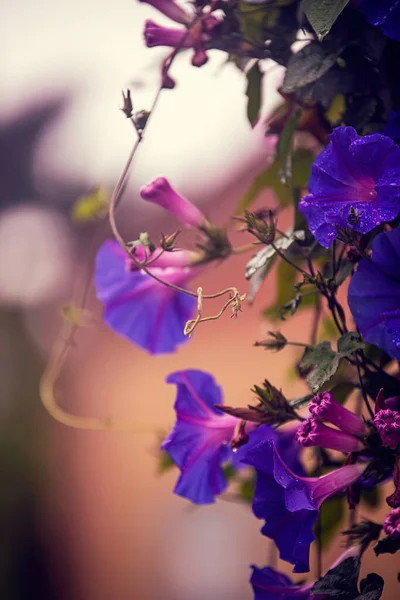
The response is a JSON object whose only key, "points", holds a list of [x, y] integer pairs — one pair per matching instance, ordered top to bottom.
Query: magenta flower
{"points": [[170, 9], [158, 35], [200, 56], [354, 183], [162, 193], [374, 294], [139, 308], [324, 406], [387, 422], [314, 433], [199, 443], [289, 503], [391, 524]]}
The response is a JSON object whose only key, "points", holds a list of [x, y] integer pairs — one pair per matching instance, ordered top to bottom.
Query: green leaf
{"points": [[322, 14], [252, 22], [308, 65], [253, 93], [336, 110], [285, 146], [270, 178], [91, 206], [262, 258], [286, 279], [75, 316], [328, 329], [349, 342], [325, 361], [342, 391], [165, 462], [229, 471], [246, 490], [372, 497], [331, 515]]}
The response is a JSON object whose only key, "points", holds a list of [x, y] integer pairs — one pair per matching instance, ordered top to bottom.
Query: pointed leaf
{"points": [[322, 14]]}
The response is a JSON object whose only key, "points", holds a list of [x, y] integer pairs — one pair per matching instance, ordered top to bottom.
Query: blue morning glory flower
{"points": [[385, 13], [354, 182], [374, 294], [139, 308], [199, 443], [289, 503]]}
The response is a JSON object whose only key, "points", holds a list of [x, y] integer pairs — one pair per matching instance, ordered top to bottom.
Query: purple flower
{"points": [[170, 9], [385, 13], [158, 35], [355, 183], [162, 193], [374, 294], [139, 308], [324, 406], [387, 422], [314, 433], [199, 443], [289, 503], [391, 524], [269, 584]]}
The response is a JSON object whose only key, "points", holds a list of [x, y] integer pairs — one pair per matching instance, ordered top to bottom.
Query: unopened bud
{"points": [[127, 107], [141, 119], [263, 229], [167, 242], [276, 342]]}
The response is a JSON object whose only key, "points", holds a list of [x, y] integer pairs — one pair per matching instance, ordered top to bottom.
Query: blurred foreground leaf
{"points": [[253, 93], [302, 160], [91, 206], [331, 515]]}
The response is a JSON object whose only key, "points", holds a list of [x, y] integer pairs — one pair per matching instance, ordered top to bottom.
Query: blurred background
{"points": [[87, 515]]}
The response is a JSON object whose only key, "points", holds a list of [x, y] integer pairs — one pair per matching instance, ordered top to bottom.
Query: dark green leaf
{"points": [[322, 14], [307, 66], [253, 93], [285, 146], [269, 178], [260, 265], [286, 279], [349, 342], [325, 361], [374, 381], [342, 391], [298, 403], [229, 471], [246, 490], [372, 497], [331, 515], [387, 545], [341, 581], [371, 587]]}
